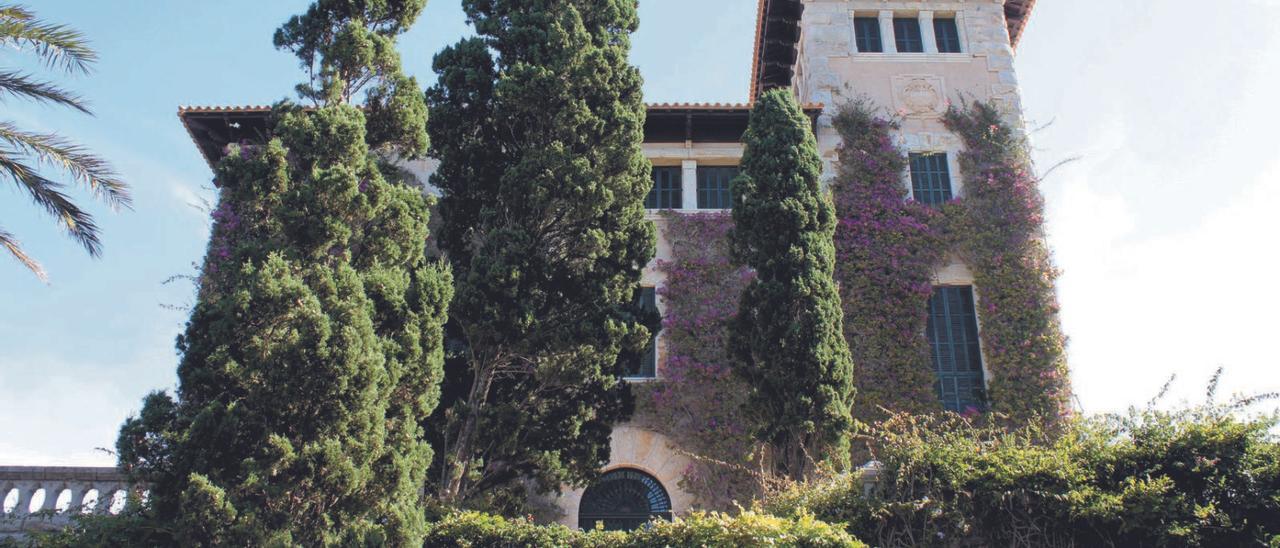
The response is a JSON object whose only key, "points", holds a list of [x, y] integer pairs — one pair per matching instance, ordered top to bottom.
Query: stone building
{"points": [[910, 57]]}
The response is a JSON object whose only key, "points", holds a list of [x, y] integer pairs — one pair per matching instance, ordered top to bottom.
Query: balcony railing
{"points": [[42, 498]]}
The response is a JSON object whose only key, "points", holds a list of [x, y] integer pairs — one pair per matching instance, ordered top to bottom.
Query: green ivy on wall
{"points": [[1001, 237], [888, 248], [698, 402]]}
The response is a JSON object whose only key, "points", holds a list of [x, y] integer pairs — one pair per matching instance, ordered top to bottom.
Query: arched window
{"points": [[623, 499]]}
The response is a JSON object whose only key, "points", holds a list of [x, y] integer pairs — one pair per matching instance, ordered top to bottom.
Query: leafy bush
{"points": [[1200, 476], [476, 530]]}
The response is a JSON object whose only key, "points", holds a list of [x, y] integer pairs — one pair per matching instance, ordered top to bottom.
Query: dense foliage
{"points": [[537, 123], [31, 159], [1000, 235], [889, 247], [787, 339], [315, 348], [697, 401], [1194, 477], [475, 530]]}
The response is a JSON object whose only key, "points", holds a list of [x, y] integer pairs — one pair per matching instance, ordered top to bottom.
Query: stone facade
{"points": [[915, 87]]}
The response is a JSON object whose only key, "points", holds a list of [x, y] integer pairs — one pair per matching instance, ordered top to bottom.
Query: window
{"points": [[867, 33], [906, 33], [948, 35], [930, 178], [713, 187], [665, 193], [957, 359], [645, 365], [622, 500]]}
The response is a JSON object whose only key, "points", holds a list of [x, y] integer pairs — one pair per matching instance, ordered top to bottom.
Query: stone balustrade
{"points": [[39, 498]]}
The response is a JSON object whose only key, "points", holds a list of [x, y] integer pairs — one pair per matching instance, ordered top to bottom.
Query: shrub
{"points": [[1196, 476], [476, 530]]}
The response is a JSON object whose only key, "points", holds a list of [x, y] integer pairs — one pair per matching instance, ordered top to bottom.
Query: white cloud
{"points": [[1141, 308]]}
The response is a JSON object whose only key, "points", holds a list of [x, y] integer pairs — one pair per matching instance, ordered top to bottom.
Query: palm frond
{"points": [[58, 46], [22, 86], [84, 167], [48, 194], [10, 243]]}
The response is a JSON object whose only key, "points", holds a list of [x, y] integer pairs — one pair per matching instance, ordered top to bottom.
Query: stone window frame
{"points": [[927, 32], [953, 160], [956, 273], [658, 347]]}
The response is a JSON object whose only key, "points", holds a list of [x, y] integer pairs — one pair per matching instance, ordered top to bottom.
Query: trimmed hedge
{"points": [[1196, 477], [476, 530]]}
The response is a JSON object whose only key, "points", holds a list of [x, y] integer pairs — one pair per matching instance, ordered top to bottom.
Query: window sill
{"points": [[912, 57], [655, 214], [639, 380]]}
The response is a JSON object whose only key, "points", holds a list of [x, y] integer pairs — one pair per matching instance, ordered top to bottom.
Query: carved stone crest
{"points": [[919, 96]]}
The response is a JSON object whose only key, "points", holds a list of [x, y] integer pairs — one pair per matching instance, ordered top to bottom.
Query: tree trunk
{"points": [[458, 462]]}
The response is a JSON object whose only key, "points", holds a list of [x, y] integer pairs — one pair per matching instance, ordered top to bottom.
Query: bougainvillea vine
{"points": [[1001, 238], [887, 248], [698, 403]]}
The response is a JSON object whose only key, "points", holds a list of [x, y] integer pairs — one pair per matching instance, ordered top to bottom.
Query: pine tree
{"points": [[537, 123], [788, 336], [314, 351]]}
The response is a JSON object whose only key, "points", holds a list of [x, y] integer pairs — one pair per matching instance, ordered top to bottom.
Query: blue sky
{"points": [[1162, 228]]}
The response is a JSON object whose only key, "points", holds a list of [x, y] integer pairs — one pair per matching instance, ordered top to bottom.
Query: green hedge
{"points": [[1195, 477], [476, 530]]}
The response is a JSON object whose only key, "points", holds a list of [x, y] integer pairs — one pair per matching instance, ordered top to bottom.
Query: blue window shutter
{"points": [[906, 34], [947, 34], [867, 35], [930, 178], [713, 187], [666, 191], [952, 330]]}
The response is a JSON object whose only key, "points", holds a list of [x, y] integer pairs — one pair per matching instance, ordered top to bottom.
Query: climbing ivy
{"points": [[1001, 237], [888, 248], [698, 402]]}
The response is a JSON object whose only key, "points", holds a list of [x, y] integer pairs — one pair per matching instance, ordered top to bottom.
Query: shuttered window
{"points": [[906, 34], [947, 34], [867, 35], [930, 178], [713, 187], [665, 193], [957, 358], [646, 365]]}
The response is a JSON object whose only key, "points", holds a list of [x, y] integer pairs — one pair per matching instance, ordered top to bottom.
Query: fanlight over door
{"points": [[623, 499]]}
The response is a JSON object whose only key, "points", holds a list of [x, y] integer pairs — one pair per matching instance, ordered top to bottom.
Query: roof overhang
{"points": [[777, 44], [213, 128]]}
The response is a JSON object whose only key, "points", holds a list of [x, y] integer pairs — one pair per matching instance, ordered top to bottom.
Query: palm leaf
{"points": [[57, 46], [21, 85], [84, 167], [48, 194], [10, 243]]}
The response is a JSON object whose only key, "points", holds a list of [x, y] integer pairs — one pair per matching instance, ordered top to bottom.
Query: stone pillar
{"points": [[886, 32], [926, 32], [689, 184]]}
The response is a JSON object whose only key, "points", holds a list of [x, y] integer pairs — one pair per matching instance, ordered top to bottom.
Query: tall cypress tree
{"points": [[537, 123], [788, 336], [314, 351]]}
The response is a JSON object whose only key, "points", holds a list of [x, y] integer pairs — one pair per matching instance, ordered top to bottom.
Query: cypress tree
{"points": [[537, 123], [788, 336], [314, 350]]}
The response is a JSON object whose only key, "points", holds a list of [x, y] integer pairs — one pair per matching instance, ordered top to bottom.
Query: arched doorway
{"points": [[623, 499]]}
